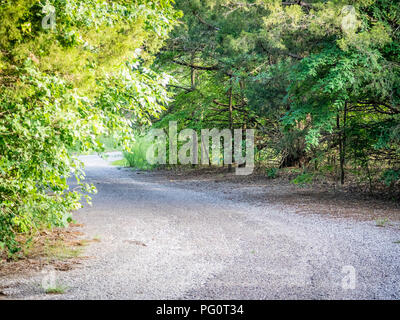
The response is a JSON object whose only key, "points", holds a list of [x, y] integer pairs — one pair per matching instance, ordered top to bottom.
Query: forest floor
{"points": [[322, 198], [212, 235]]}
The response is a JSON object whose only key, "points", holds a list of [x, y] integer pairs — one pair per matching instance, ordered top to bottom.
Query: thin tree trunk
{"points": [[192, 78], [193, 86], [230, 106], [245, 117], [342, 143]]}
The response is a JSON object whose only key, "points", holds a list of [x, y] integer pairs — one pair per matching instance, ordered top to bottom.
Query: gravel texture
{"points": [[161, 241]]}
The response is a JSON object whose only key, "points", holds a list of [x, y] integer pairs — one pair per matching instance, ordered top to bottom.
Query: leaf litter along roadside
{"points": [[320, 197], [59, 248]]}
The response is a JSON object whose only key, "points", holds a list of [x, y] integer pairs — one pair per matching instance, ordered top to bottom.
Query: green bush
{"points": [[272, 173], [391, 177], [303, 179]]}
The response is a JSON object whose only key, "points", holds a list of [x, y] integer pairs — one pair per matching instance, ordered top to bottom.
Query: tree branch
{"points": [[205, 22], [212, 68], [180, 87], [376, 106]]}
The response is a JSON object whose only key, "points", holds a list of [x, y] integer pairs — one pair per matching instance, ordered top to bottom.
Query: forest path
{"points": [[158, 241]]}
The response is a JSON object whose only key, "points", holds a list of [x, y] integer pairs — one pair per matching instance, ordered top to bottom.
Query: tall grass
{"points": [[137, 157]]}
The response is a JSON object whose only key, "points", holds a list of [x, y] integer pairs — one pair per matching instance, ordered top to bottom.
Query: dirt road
{"points": [[160, 241]]}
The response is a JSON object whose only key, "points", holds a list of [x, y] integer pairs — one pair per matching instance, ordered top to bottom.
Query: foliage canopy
{"points": [[61, 89]]}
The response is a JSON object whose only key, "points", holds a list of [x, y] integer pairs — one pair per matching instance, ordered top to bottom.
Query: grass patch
{"points": [[137, 158], [120, 163], [382, 222], [96, 239], [62, 251], [57, 289]]}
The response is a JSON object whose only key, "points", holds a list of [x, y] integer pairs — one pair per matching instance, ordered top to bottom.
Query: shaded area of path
{"points": [[159, 241]]}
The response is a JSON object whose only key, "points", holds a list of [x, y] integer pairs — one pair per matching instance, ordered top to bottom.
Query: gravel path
{"points": [[159, 241]]}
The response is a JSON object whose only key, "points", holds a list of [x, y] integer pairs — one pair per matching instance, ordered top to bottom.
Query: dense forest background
{"points": [[318, 80]]}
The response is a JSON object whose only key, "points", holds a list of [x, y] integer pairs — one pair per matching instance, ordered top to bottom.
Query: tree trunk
{"points": [[193, 78], [193, 86], [230, 106], [245, 117], [342, 143]]}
